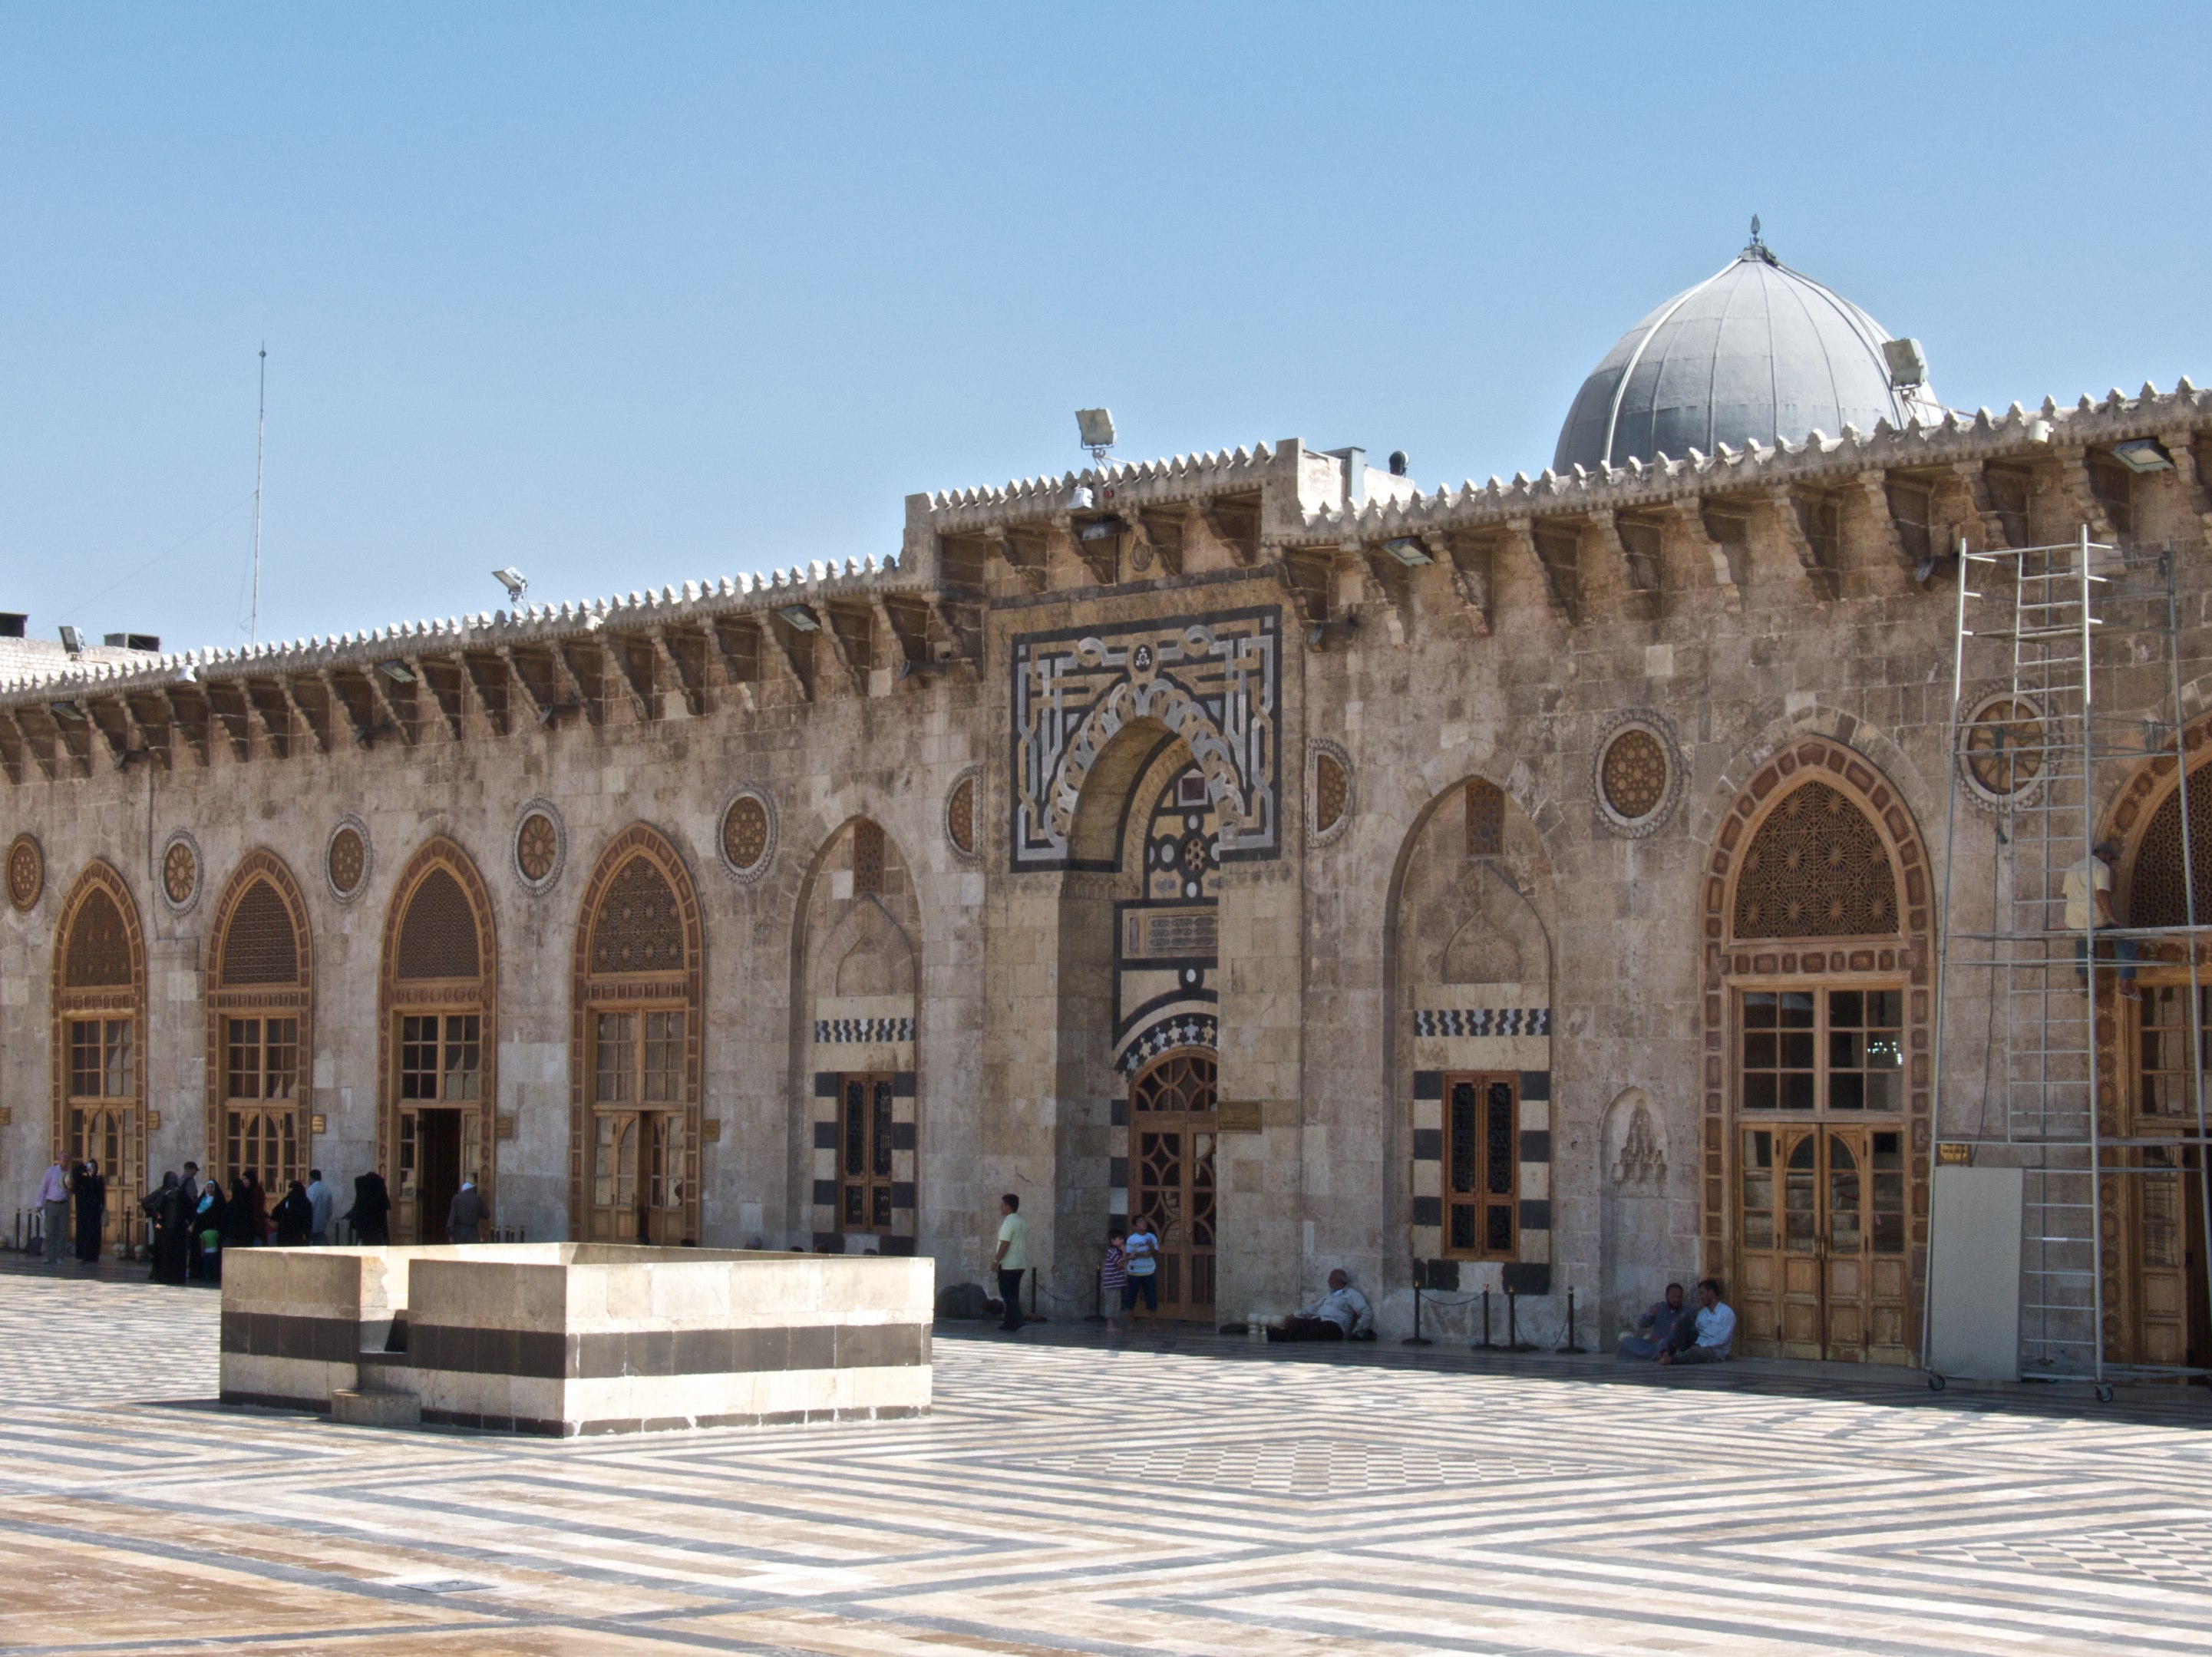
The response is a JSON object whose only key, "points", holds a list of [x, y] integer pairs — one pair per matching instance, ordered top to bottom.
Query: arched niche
{"points": [[1817, 913], [1471, 919], [856, 969], [637, 977], [1138, 998], [260, 1026], [438, 1040], [98, 1046], [1639, 1244]]}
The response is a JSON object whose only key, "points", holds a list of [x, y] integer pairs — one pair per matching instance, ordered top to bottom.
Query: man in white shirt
{"points": [[2088, 887], [321, 1199], [53, 1210], [1012, 1260], [1341, 1314], [1710, 1334]]}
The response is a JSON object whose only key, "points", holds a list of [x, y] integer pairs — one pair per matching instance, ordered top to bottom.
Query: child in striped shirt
{"points": [[1113, 1274]]}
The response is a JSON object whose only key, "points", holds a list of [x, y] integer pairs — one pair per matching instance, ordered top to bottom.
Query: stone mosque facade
{"points": [[1473, 886]]}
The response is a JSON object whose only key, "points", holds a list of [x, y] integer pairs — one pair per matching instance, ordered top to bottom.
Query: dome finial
{"points": [[1755, 248]]}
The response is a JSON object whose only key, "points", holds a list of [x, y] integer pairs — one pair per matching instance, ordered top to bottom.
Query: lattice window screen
{"points": [[1486, 819], [867, 860], [1817, 868], [2156, 895], [637, 929], [438, 938], [99, 946], [259, 947]]}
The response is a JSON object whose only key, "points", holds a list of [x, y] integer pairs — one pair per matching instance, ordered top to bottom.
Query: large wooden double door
{"points": [[1173, 1127], [639, 1168], [1822, 1261]]}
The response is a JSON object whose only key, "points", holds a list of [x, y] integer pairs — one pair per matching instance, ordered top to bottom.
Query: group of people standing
{"points": [[194, 1221]]}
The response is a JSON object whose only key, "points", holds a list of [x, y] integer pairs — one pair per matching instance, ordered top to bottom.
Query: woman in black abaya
{"points": [[90, 1188]]}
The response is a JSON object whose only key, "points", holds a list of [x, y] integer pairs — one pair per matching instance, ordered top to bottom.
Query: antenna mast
{"points": [[260, 428]]}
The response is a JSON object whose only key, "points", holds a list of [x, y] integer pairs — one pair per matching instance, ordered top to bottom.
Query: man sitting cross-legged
{"points": [[1341, 1314], [1660, 1321], [1705, 1339]]}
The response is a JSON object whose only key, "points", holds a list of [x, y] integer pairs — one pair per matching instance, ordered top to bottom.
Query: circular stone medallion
{"points": [[1637, 777], [747, 837], [541, 845], [345, 860], [180, 870], [27, 872]]}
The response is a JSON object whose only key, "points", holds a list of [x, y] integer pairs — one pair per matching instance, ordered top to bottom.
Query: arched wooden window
{"points": [[1818, 928], [259, 1027], [98, 1043], [633, 1047], [437, 1063]]}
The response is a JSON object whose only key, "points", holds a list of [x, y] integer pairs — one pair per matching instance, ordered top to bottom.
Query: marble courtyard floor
{"points": [[1171, 1495]]}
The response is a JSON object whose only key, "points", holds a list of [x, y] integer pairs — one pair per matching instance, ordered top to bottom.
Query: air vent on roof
{"points": [[12, 626], [133, 641]]}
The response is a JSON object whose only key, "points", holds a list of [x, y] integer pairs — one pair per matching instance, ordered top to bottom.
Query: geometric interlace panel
{"points": [[1816, 869], [2156, 894], [637, 929], [438, 938], [99, 946], [259, 947]]}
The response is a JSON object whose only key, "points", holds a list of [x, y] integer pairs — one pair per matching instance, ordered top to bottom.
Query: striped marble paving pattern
{"points": [[1161, 1496]]}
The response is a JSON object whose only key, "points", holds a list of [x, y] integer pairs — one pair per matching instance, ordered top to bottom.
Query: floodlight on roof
{"points": [[1907, 363], [1095, 428], [2142, 454], [1079, 499], [1408, 551], [513, 580], [801, 617], [72, 640], [396, 671], [69, 711]]}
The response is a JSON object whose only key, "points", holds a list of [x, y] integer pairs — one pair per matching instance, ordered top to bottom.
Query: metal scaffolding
{"points": [[2043, 635]]}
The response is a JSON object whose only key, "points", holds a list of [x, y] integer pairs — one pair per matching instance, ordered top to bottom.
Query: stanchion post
{"points": [[1417, 1339], [1513, 1341], [1486, 1344], [1571, 1346]]}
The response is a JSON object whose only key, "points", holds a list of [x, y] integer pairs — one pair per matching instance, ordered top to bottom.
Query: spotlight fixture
{"points": [[1907, 361], [1094, 430], [2142, 454], [1078, 498], [1101, 529], [1408, 551], [1924, 571], [513, 580], [802, 619], [72, 640], [396, 671], [69, 711], [547, 715], [366, 738], [123, 759]]}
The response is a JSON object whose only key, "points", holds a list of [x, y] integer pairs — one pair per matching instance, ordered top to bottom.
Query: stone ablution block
{"points": [[565, 1339]]}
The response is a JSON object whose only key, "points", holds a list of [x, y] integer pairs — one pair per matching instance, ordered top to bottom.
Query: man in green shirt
{"points": [[1011, 1260]]}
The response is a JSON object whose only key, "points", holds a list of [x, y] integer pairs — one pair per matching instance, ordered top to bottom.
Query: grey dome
{"points": [[1754, 353]]}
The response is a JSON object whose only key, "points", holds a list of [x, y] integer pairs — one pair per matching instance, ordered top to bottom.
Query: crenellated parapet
{"points": [[1358, 552]]}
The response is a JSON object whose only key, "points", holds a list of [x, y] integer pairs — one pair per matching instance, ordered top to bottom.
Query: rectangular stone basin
{"points": [[572, 1338]]}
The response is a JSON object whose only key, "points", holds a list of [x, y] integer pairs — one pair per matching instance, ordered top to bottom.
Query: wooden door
{"points": [[102, 1105], [1172, 1129], [637, 1177], [1821, 1262]]}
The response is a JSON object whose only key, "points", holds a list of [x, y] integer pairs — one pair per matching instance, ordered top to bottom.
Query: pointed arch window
{"points": [[99, 994], [635, 1054]]}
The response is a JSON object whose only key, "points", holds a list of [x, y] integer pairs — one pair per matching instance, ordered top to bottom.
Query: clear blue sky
{"points": [[626, 295]]}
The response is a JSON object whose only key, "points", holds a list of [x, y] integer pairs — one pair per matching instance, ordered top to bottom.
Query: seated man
{"points": [[1342, 1314], [1660, 1321], [1705, 1339]]}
